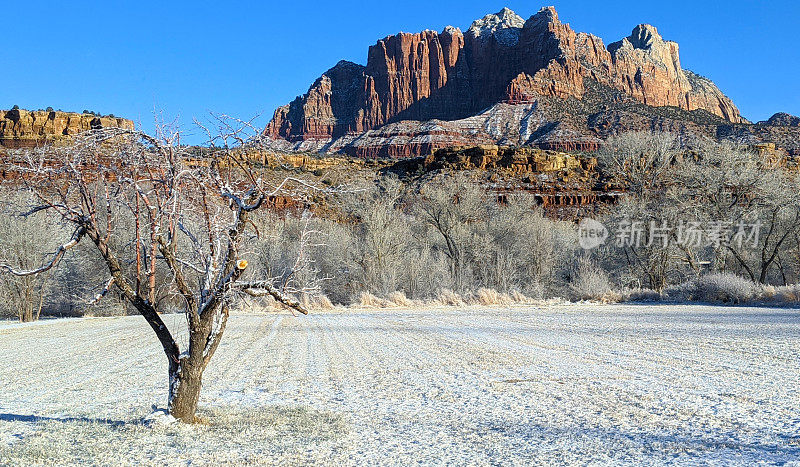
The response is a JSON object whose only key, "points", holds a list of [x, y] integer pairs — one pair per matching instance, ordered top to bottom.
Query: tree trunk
{"points": [[27, 309], [26, 316], [186, 378], [185, 381]]}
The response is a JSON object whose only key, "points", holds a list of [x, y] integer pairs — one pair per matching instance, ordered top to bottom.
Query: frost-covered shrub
{"points": [[589, 282], [717, 288], [725, 288], [684, 292], [641, 295]]}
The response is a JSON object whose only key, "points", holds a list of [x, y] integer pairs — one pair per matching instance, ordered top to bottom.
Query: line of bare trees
{"points": [[675, 184], [450, 233]]}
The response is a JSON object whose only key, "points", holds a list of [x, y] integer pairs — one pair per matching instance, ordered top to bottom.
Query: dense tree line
{"points": [[450, 235]]}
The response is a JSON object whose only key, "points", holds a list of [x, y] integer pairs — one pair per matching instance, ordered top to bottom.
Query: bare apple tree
{"points": [[162, 215]]}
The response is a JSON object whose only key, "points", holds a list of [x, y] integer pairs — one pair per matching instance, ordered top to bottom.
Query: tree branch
{"points": [[76, 237], [264, 288], [103, 293]]}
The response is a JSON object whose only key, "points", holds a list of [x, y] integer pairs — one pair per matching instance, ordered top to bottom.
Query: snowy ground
{"points": [[560, 384]]}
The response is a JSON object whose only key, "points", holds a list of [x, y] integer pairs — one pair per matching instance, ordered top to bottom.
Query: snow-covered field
{"points": [[559, 384]]}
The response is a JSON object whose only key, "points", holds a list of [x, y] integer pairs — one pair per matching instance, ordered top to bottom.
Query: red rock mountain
{"points": [[505, 81]]}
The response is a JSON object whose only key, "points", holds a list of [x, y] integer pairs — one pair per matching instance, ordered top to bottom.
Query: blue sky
{"points": [[247, 58]]}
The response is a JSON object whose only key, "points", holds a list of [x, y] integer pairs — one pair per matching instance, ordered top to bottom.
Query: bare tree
{"points": [[641, 162], [646, 166], [710, 184], [732, 184], [449, 206], [161, 217], [383, 237], [22, 240], [286, 251]]}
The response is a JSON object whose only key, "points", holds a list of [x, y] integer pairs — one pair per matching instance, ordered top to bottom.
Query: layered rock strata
{"points": [[418, 91], [24, 128]]}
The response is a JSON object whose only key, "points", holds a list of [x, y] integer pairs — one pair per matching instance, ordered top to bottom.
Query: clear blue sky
{"points": [[247, 58]]}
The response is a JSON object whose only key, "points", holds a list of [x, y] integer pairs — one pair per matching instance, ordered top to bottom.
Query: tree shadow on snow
{"points": [[10, 417]]}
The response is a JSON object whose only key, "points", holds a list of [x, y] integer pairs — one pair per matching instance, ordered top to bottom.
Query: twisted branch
{"points": [[265, 288]]}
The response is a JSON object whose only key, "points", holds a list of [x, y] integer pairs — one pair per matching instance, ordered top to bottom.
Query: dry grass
{"points": [[590, 284], [719, 288], [788, 294], [640, 295], [485, 296], [447, 297], [519, 297], [610, 297], [399, 299], [367, 300], [317, 303], [232, 436]]}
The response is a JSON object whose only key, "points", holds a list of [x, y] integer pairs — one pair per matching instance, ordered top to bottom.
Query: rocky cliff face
{"points": [[414, 81], [24, 128]]}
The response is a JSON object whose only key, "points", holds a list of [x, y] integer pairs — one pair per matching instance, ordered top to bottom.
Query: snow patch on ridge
{"points": [[504, 25]]}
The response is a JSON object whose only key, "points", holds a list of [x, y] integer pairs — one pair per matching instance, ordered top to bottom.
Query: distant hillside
{"points": [[27, 128]]}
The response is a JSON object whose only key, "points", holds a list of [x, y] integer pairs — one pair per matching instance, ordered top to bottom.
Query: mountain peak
{"points": [[547, 13], [507, 14], [491, 24], [451, 30], [645, 36], [645, 42], [783, 119]]}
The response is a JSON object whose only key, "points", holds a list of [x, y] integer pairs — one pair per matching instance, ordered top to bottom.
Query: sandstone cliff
{"points": [[444, 78], [24, 128]]}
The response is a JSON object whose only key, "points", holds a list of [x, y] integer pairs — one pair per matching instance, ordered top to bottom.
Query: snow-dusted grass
{"points": [[558, 384], [232, 435]]}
